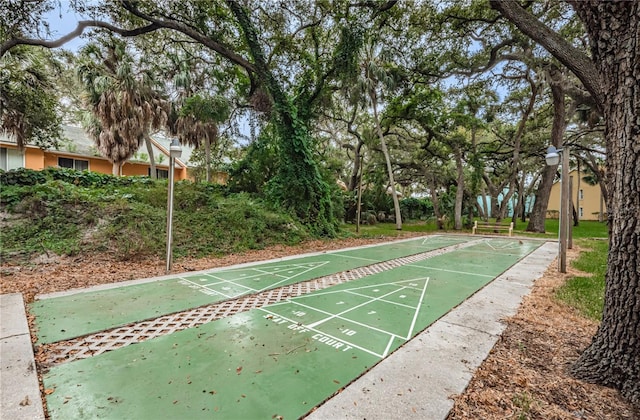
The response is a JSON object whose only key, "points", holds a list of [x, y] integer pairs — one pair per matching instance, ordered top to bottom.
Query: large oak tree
{"points": [[612, 75]]}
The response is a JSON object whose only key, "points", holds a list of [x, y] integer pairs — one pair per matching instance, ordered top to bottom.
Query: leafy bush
{"points": [[22, 176], [414, 208], [69, 212]]}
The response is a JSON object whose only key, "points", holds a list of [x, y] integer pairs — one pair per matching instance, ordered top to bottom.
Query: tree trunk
{"points": [[612, 76], [387, 158], [207, 159], [152, 161], [116, 168], [355, 172], [298, 184], [436, 203], [359, 205], [485, 206], [457, 212], [539, 212], [576, 221], [613, 358]]}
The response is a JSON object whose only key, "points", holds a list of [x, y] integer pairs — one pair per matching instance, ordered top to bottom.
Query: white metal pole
{"points": [[170, 214]]}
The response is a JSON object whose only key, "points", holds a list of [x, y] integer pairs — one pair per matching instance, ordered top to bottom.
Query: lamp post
{"points": [[175, 151], [553, 158]]}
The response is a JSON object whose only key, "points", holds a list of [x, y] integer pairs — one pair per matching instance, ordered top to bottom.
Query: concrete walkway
{"points": [[416, 381]]}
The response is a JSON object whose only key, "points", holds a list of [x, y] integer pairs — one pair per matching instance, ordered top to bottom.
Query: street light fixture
{"points": [[175, 151], [553, 158]]}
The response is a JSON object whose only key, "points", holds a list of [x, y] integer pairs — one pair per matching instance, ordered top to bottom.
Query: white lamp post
{"points": [[175, 151], [553, 158]]}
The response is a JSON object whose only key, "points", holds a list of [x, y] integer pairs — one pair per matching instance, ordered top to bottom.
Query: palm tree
{"points": [[373, 77], [126, 106], [195, 118], [197, 123]]}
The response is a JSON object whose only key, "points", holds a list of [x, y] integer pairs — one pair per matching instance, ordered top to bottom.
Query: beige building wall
{"points": [[587, 199]]}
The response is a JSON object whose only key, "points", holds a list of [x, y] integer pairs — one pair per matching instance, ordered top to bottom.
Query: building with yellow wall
{"points": [[587, 199]]}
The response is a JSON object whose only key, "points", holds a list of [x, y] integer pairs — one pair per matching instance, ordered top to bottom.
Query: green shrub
{"points": [[70, 212]]}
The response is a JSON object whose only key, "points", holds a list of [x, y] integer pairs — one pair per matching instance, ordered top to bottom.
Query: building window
{"points": [[10, 159], [78, 164], [160, 173], [581, 194], [581, 212]]}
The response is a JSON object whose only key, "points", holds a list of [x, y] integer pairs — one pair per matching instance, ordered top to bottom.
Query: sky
{"points": [[63, 20]]}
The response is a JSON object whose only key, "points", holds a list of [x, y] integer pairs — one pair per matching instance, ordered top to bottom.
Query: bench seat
{"points": [[492, 227]]}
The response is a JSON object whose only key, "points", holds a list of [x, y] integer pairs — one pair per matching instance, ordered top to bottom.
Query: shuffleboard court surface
{"points": [[79, 314], [279, 360]]}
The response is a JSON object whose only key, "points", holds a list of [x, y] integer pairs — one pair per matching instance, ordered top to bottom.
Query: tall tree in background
{"points": [[612, 76], [372, 79], [28, 99], [124, 105], [198, 122]]}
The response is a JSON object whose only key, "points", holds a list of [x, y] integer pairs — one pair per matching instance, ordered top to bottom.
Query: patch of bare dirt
{"points": [[524, 377]]}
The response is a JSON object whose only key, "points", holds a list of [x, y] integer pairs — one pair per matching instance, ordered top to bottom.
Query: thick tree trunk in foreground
{"points": [[612, 76], [613, 358]]}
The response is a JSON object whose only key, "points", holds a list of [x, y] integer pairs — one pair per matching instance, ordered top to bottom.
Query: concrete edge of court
{"points": [[419, 379], [415, 381], [19, 388]]}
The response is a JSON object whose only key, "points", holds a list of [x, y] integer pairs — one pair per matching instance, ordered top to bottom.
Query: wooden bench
{"points": [[492, 226]]}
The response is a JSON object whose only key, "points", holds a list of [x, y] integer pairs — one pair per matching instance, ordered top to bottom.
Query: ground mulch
{"points": [[524, 377]]}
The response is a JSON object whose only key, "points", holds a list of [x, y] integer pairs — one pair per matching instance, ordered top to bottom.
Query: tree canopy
{"points": [[462, 100]]}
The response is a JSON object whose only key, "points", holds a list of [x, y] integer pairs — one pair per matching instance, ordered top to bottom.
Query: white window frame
{"points": [[4, 160]]}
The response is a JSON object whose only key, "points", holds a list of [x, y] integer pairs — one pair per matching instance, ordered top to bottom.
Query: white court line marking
{"points": [[443, 240], [502, 244], [473, 251], [356, 258], [307, 267], [449, 271], [276, 272], [229, 282], [272, 285], [199, 286], [368, 286], [382, 300], [417, 310], [339, 314], [362, 324], [392, 336], [389, 343], [371, 352]]}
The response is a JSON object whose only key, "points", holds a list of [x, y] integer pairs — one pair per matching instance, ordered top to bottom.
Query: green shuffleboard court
{"points": [[75, 315], [281, 360]]}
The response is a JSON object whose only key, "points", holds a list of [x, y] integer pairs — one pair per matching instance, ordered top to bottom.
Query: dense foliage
{"points": [[69, 212]]}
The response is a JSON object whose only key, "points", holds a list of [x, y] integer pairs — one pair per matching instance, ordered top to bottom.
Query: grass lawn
{"points": [[586, 229], [585, 293]]}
